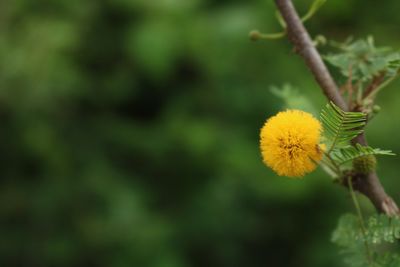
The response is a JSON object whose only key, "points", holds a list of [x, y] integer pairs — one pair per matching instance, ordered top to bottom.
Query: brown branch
{"points": [[306, 49], [369, 184]]}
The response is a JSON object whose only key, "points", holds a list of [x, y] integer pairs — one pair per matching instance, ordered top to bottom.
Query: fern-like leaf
{"points": [[340, 126], [348, 153], [379, 228], [380, 231]]}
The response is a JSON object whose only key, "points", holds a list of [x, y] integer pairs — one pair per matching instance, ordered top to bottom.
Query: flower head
{"points": [[289, 143]]}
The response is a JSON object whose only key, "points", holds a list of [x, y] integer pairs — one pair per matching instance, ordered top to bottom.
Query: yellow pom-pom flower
{"points": [[289, 143]]}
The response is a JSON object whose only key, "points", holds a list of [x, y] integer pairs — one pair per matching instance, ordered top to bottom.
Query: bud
{"points": [[254, 35], [320, 40], [376, 109], [365, 164]]}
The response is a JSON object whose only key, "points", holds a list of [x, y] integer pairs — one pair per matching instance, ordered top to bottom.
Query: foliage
{"points": [[361, 60], [368, 69], [340, 126], [349, 153], [381, 234]]}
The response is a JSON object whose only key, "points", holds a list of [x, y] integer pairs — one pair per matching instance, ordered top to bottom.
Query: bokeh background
{"points": [[129, 134]]}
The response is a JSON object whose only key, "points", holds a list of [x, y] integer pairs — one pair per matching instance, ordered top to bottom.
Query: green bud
{"points": [[254, 35], [320, 40], [376, 109], [365, 164]]}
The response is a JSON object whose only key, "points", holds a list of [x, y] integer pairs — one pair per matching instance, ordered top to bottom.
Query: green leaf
{"points": [[361, 60], [340, 126], [345, 154], [381, 228], [347, 231], [381, 233], [346, 236]]}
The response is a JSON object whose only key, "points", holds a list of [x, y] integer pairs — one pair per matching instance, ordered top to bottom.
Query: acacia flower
{"points": [[289, 143]]}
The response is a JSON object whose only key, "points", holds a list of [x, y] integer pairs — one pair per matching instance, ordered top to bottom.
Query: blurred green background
{"points": [[129, 134]]}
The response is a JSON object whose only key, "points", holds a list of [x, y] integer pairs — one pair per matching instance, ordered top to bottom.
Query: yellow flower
{"points": [[289, 143]]}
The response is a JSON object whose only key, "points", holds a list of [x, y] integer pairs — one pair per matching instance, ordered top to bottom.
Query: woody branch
{"points": [[367, 184]]}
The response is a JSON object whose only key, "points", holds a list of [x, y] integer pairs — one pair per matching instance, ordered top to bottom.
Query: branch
{"points": [[304, 46], [368, 184]]}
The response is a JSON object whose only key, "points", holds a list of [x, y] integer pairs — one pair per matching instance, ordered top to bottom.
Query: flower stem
{"points": [[334, 166]]}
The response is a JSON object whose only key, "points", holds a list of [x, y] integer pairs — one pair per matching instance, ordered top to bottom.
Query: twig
{"points": [[376, 81], [380, 86]]}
